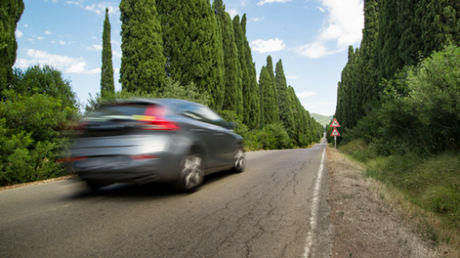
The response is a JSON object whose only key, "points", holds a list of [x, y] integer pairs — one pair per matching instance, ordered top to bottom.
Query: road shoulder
{"points": [[364, 223]]}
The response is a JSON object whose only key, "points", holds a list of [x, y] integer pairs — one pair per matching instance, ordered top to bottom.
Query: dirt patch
{"points": [[364, 223]]}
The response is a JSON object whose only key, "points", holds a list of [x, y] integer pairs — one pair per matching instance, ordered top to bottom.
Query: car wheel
{"points": [[240, 161], [192, 172]]}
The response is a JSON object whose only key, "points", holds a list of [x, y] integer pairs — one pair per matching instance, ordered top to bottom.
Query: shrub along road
{"points": [[265, 211]]}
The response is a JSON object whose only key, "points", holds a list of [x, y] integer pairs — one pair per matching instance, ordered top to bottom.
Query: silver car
{"points": [[155, 140]]}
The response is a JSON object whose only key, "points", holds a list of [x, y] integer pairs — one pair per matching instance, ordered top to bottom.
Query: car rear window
{"points": [[119, 111]]}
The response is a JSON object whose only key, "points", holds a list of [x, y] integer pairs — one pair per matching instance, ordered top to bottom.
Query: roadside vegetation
{"points": [[399, 106]]}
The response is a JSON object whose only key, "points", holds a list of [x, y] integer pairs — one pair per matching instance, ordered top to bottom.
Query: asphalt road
{"points": [[270, 210]]}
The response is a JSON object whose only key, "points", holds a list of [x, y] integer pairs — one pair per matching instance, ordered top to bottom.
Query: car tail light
{"points": [[154, 119], [80, 128], [143, 157], [70, 159]]}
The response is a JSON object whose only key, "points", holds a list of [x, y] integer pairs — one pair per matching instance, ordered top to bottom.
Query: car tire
{"points": [[240, 161], [191, 172]]}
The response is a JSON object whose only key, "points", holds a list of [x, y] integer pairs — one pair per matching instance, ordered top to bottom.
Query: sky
{"points": [[311, 37]]}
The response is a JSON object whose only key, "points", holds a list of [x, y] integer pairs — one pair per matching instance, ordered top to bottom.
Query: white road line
{"points": [[314, 209]]}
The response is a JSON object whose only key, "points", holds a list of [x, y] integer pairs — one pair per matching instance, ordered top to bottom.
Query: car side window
{"points": [[203, 114]]}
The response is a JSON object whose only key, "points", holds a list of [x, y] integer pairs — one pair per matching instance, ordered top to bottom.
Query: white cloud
{"points": [[272, 1], [73, 2], [244, 2], [100, 8], [321, 9], [232, 12], [256, 19], [25, 25], [344, 25], [47, 32], [18, 33], [40, 38], [52, 41], [61, 42], [264, 46], [95, 47], [116, 54], [65, 63], [95, 70], [292, 77], [306, 94], [322, 107]]}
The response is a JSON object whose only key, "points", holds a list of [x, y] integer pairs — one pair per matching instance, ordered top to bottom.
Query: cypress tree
{"points": [[10, 13], [440, 24], [389, 36], [239, 40], [410, 43], [192, 46], [369, 56], [142, 61], [107, 84], [272, 86], [233, 95], [269, 101], [284, 102], [261, 104], [254, 106]]}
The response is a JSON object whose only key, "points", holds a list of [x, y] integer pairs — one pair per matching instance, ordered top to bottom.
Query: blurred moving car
{"points": [[155, 140]]}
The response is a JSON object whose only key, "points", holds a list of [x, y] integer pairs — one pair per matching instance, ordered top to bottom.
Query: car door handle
{"points": [[219, 134]]}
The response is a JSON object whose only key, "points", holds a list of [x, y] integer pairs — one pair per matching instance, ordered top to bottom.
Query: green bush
{"points": [[38, 105], [420, 112], [280, 136], [30, 141]]}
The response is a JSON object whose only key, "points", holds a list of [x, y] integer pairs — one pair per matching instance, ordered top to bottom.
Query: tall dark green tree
{"points": [[10, 13], [440, 24], [388, 39], [239, 40], [410, 43], [191, 46], [369, 54], [142, 61], [270, 70], [107, 84], [253, 87], [233, 95], [269, 101], [284, 102], [254, 106]]}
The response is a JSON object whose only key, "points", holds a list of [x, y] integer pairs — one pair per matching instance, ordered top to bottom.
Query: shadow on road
{"points": [[146, 191]]}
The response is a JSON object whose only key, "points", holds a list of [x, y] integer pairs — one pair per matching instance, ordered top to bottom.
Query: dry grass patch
{"points": [[373, 220]]}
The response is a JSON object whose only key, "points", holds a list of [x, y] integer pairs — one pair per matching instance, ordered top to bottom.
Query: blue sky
{"points": [[311, 37]]}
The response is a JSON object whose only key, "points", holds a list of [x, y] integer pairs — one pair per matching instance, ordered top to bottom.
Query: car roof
{"points": [[159, 101]]}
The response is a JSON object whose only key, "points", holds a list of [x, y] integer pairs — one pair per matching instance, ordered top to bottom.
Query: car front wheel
{"points": [[240, 161]]}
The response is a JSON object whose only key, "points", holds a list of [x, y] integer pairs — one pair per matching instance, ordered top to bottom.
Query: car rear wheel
{"points": [[240, 161], [192, 172], [94, 186]]}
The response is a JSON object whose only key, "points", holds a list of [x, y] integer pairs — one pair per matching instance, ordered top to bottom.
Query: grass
{"points": [[428, 189]]}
